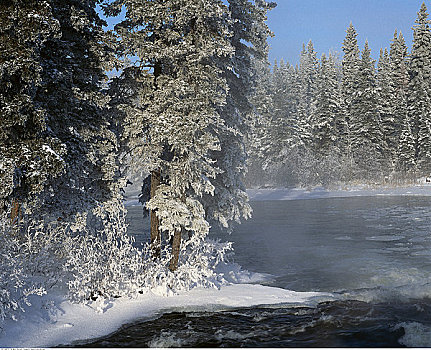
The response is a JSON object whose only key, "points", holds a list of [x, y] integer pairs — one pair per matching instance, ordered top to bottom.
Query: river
{"points": [[374, 253]]}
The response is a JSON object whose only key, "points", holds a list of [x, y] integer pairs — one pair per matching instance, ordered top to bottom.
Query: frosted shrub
{"points": [[45, 251], [198, 261], [104, 262], [104, 265], [107, 265], [196, 268], [15, 284]]}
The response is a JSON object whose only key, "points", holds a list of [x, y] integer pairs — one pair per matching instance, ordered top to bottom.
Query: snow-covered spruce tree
{"points": [[178, 45], [399, 64], [308, 72], [73, 78], [399, 80], [350, 81], [419, 90], [327, 106], [386, 108], [420, 114], [324, 119], [285, 133], [366, 135], [259, 142], [406, 150], [29, 152], [300, 155], [229, 202], [81, 211]]}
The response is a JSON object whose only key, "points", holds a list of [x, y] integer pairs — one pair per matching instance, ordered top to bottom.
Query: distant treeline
{"points": [[345, 120]]}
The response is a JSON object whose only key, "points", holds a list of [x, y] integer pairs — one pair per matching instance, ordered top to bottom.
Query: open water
{"points": [[374, 253]]}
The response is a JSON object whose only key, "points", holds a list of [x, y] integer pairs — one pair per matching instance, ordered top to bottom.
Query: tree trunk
{"points": [[15, 212], [156, 240], [176, 245]]}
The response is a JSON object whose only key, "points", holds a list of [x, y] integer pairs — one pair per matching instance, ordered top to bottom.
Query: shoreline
{"points": [[267, 194], [77, 323]]}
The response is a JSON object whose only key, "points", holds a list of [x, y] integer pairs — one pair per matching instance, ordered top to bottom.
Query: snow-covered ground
{"points": [[268, 194], [73, 322]]}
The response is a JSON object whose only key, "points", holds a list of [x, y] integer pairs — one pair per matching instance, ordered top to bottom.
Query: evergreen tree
{"points": [[178, 46], [399, 65], [308, 71], [350, 71], [399, 80], [419, 89], [327, 107], [386, 107], [419, 112], [77, 114], [283, 124], [367, 139], [259, 142], [406, 149], [30, 155], [65, 174], [229, 202]]}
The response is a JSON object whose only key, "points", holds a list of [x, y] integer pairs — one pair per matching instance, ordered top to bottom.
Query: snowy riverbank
{"points": [[268, 194], [68, 322], [73, 322]]}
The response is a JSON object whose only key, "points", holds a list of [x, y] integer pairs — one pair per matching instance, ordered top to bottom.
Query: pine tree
{"points": [[181, 42], [350, 76], [399, 80], [419, 89], [327, 107], [367, 139], [30, 155], [229, 203]]}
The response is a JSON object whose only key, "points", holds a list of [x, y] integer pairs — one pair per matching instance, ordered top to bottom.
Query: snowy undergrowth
{"points": [[106, 264], [87, 266], [101, 273], [15, 287]]}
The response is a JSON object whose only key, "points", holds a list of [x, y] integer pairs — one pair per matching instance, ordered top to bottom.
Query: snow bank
{"points": [[268, 194], [73, 322]]}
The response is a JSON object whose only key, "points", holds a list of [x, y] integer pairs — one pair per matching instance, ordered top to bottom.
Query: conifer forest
{"points": [[182, 93], [347, 119]]}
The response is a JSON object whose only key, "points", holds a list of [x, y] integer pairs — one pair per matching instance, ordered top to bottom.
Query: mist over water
{"points": [[338, 244], [374, 253]]}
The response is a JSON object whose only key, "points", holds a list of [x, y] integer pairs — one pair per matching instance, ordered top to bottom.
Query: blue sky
{"points": [[325, 22]]}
